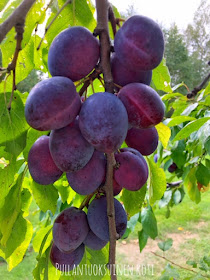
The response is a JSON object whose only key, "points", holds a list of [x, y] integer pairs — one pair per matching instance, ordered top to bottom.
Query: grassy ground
{"points": [[188, 226]]}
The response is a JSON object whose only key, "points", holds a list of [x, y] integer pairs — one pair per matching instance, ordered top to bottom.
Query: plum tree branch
{"points": [[102, 8], [17, 17], [198, 88]]}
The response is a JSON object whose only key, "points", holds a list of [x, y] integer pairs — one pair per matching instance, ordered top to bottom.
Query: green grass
{"points": [[192, 219]]}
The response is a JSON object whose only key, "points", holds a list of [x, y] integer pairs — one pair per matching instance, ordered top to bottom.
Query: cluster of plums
{"points": [[82, 133]]}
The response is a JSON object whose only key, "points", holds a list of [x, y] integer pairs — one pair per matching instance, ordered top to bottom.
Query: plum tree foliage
{"points": [[78, 138]]}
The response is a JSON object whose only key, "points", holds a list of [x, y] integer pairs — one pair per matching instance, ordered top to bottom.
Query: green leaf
{"points": [[3, 4], [82, 16], [161, 77], [172, 95], [189, 109], [180, 119], [13, 123], [190, 128], [164, 134], [32, 136], [179, 153], [202, 174], [190, 183], [157, 185], [45, 196], [177, 197], [26, 199], [165, 199], [133, 200], [11, 209], [149, 222], [131, 224], [43, 234], [143, 237], [18, 242], [165, 245], [192, 263], [170, 273]]}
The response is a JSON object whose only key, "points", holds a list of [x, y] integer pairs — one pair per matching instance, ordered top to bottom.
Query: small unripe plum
{"points": [[139, 43], [73, 53], [122, 75], [52, 103], [144, 106], [103, 121], [143, 140], [69, 149], [40, 163], [132, 172], [89, 178], [70, 229]]}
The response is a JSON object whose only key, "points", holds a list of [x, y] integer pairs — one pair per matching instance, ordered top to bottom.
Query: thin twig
{"points": [[112, 20], [49, 25], [11, 67], [94, 75], [198, 88], [174, 184], [86, 200], [178, 265]]}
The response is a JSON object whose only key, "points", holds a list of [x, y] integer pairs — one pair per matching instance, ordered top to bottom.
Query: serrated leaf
{"points": [[161, 77], [180, 119], [190, 128], [164, 134], [203, 174], [190, 183], [157, 185], [46, 196], [133, 200], [149, 222], [143, 237], [18, 242], [165, 245]]}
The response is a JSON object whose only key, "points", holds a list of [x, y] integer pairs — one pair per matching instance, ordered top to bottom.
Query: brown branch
{"points": [[102, 8], [17, 17], [112, 19], [49, 25], [103, 31], [198, 88], [86, 200], [113, 236], [178, 265]]}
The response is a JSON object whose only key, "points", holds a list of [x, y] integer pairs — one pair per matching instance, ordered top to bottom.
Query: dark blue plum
{"points": [[139, 43], [73, 53], [53, 103], [103, 121], [69, 149], [40, 163], [89, 178], [98, 221], [70, 229], [93, 242], [66, 262]]}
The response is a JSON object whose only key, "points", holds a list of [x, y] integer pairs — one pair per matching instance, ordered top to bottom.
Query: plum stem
{"points": [[102, 9]]}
